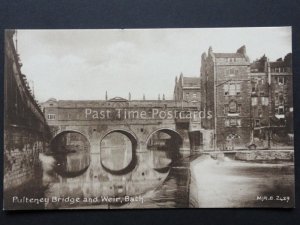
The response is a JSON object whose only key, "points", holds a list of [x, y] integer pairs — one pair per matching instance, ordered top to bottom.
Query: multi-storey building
{"points": [[187, 89], [225, 91], [282, 93], [272, 101], [260, 102]]}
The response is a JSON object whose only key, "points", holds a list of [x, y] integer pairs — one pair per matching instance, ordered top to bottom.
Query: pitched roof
{"points": [[229, 55], [279, 64], [257, 66], [191, 81], [118, 99]]}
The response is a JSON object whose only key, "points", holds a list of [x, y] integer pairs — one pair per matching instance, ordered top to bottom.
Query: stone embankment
{"points": [[265, 155]]}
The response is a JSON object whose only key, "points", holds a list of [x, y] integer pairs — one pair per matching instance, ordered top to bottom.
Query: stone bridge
{"points": [[138, 120]]}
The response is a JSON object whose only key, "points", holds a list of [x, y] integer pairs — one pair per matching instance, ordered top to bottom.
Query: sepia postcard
{"points": [[148, 118]]}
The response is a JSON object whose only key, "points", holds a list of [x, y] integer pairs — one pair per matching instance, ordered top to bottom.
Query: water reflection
{"points": [[70, 141], [165, 143], [117, 153], [71, 164], [116, 171], [159, 176], [93, 181], [213, 183]]}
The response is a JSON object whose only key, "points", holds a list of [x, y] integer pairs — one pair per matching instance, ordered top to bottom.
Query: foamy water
{"points": [[231, 183]]}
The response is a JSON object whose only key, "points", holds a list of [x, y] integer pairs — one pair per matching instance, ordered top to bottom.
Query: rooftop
{"points": [[229, 55], [191, 81]]}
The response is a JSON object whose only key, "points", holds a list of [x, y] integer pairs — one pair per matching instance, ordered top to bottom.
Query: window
{"points": [[280, 80], [226, 89], [232, 89], [238, 89], [262, 93], [194, 95], [281, 99], [254, 101], [265, 101], [232, 107], [281, 110], [259, 112], [51, 116], [233, 122], [238, 122], [227, 123], [257, 123], [233, 136]]}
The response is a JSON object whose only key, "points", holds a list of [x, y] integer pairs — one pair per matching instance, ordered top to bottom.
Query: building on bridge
{"points": [[187, 89], [139, 120]]}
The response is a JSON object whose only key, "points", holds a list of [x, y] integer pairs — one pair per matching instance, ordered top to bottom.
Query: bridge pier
{"points": [[208, 139], [142, 147], [185, 149]]}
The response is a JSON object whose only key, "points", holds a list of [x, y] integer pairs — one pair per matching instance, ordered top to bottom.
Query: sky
{"points": [[84, 64]]}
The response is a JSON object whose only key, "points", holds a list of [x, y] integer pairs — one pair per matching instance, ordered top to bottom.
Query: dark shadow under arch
{"points": [[175, 142], [54, 144], [69, 157]]}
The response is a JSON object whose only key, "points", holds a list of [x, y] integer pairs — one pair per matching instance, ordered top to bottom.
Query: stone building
{"points": [[187, 89], [225, 91], [282, 93], [272, 101], [260, 104], [25, 129]]}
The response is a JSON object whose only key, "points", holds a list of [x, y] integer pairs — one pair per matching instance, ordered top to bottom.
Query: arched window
{"points": [[232, 107]]}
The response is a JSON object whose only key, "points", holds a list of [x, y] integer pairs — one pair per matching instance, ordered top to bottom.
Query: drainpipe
{"points": [[215, 107]]}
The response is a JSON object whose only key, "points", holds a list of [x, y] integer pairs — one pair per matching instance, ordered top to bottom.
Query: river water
{"points": [[197, 181], [229, 183]]}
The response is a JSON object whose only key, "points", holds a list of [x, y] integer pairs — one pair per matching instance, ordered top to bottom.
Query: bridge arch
{"points": [[168, 131], [130, 134], [54, 140], [169, 146], [71, 151], [107, 160]]}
